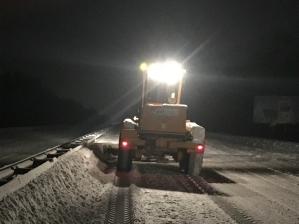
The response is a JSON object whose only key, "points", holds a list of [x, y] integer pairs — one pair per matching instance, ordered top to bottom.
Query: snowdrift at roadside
{"points": [[197, 131], [66, 193]]}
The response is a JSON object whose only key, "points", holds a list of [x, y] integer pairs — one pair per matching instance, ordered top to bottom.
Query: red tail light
{"points": [[124, 143], [200, 148]]}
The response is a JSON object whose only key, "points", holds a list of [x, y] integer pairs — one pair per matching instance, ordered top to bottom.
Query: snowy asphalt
{"points": [[238, 184]]}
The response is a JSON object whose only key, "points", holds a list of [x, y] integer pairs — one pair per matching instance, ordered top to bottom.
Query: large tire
{"points": [[124, 160], [184, 162], [191, 164], [195, 164]]}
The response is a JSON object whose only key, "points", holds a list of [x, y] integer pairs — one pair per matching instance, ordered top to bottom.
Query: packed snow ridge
{"points": [[66, 193]]}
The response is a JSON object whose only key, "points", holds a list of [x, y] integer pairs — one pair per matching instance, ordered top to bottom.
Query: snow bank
{"points": [[174, 105], [129, 124], [198, 132], [253, 142], [22, 180], [68, 192]]}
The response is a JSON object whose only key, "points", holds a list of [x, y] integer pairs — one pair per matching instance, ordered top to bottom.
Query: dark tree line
{"points": [[25, 101]]}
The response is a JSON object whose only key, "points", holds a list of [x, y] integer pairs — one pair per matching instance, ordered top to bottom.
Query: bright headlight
{"points": [[169, 72]]}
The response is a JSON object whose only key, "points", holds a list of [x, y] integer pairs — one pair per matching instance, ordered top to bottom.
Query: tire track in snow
{"points": [[246, 167], [199, 185], [267, 193], [267, 197], [219, 198], [119, 206], [233, 211]]}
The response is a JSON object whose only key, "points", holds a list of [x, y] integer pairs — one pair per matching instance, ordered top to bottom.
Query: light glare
{"points": [[143, 66], [169, 72], [124, 143], [200, 148]]}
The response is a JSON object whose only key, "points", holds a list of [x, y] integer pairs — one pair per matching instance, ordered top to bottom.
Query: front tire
{"points": [[124, 160]]}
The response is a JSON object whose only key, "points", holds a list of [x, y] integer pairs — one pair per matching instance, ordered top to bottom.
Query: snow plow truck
{"points": [[161, 128]]}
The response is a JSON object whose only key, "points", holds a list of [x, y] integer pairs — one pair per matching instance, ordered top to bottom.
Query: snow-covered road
{"points": [[238, 185]]}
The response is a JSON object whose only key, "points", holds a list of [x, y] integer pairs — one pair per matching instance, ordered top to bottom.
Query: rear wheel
{"points": [[124, 160], [184, 161], [191, 163], [195, 164]]}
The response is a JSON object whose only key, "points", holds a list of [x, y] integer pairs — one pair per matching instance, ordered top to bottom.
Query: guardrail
{"points": [[11, 171]]}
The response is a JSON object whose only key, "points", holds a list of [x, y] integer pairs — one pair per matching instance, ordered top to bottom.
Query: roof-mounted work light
{"points": [[143, 67], [169, 72]]}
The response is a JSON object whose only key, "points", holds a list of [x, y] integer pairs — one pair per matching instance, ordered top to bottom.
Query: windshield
{"points": [[160, 92]]}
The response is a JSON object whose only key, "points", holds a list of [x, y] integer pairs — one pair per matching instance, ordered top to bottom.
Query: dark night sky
{"points": [[91, 50]]}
